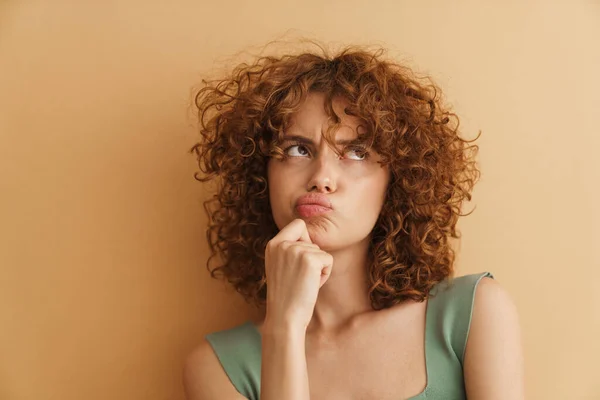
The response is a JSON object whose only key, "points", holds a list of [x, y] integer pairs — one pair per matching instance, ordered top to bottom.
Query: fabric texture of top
{"points": [[448, 319]]}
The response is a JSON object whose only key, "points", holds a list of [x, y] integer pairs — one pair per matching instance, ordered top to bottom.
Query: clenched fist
{"points": [[295, 270]]}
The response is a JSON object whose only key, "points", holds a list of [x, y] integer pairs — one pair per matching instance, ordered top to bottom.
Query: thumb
{"points": [[304, 235], [325, 274]]}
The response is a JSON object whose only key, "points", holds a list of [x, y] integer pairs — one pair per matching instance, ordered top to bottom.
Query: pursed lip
{"points": [[314, 199]]}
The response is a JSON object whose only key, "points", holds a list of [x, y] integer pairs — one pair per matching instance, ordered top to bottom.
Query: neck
{"points": [[344, 296]]}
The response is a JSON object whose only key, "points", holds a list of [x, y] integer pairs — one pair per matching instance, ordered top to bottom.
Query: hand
{"points": [[295, 270]]}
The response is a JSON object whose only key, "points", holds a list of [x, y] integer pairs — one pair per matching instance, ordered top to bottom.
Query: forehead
{"points": [[312, 120]]}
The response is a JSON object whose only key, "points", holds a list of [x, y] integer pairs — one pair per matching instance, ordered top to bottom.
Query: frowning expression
{"points": [[351, 186]]}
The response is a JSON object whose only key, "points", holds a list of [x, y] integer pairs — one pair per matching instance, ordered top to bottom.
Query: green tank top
{"points": [[448, 318]]}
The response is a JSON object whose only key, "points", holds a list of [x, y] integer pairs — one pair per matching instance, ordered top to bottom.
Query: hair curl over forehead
{"points": [[242, 118]]}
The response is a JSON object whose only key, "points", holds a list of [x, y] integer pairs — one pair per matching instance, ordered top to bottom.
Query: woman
{"points": [[341, 180]]}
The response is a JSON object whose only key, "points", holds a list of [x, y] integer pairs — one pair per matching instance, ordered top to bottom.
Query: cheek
{"points": [[285, 176], [275, 181], [277, 185], [372, 185], [372, 195], [371, 200]]}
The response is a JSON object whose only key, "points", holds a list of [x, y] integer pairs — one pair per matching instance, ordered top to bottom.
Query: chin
{"points": [[320, 232]]}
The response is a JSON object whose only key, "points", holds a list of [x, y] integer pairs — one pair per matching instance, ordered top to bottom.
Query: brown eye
{"points": [[300, 152], [360, 153]]}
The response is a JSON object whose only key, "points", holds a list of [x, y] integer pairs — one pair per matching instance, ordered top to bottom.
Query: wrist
{"points": [[283, 328]]}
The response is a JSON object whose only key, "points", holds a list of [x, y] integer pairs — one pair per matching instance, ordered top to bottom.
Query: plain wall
{"points": [[103, 284]]}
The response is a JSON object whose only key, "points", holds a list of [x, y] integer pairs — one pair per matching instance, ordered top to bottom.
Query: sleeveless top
{"points": [[448, 319]]}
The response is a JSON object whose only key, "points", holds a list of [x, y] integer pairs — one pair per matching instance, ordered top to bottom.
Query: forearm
{"points": [[284, 372]]}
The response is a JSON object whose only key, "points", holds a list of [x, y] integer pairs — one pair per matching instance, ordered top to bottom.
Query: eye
{"points": [[300, 152], [361, 153]]}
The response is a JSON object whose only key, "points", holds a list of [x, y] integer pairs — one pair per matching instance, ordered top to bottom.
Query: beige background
{"points": [[103, 287]]}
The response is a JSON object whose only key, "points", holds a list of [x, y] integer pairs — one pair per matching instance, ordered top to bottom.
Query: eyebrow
{"points": [[304, 139]]}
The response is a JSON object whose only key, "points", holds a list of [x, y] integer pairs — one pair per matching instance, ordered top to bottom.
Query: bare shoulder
{"points": [[490, 293], [494, 311], [493, 365], [204, 378]]}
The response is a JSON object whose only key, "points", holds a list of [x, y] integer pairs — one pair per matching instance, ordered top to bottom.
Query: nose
{"points": [[325, 174]]}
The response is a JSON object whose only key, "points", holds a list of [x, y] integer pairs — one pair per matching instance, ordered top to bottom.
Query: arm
{"points": [[493, 365], [284, 372], [205, 379]]}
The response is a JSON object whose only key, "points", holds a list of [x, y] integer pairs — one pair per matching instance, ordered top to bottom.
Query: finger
{"points": [[294, 231], [304, 236], [304, 245], [322, 259], [327, 266]]}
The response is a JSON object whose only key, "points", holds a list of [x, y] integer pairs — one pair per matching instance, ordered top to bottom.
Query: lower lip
{"points": [[311, 210]]}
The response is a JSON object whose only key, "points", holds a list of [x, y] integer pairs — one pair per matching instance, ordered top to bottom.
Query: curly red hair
{"points": [[242, 118]]}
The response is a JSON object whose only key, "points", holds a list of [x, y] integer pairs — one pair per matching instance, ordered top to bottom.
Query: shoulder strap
{"points": [[452, 306], [449, 313], [239, 352]]}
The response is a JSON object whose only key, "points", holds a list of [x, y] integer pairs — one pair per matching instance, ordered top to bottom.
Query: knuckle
{"points": [[297, 251], [303, 255]]}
